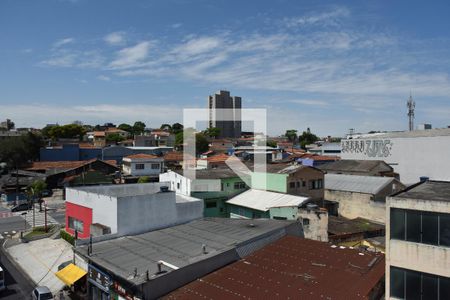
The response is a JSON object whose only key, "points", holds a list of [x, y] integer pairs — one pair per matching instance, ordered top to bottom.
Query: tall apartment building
{"points": [[229, 120], [418, 242]]}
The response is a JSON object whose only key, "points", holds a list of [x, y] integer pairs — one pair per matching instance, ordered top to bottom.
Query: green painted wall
{"points": [[274, 182], [215, 201], [247, 212]]}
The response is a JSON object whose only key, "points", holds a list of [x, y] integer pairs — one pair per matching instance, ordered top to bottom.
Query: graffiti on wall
{"points": [[370, 148]]}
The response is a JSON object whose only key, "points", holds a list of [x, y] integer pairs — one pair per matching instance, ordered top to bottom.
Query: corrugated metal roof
{"points": [[356, 183], [264, 200], [181, 245], [292, 268]]}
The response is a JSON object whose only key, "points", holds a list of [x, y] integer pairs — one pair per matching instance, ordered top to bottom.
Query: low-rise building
{"points": [[156, 138], [70, 152], [117, 153], [175, 160], [212, 162], [142, 165], [359, 167], [291, 179], [214, 186], [360, 196], [255, 204], [124, 209], [353, 232], [418, 242], [152, 264], [293, 268]]}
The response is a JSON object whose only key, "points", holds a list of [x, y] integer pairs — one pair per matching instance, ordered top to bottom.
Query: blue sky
{"points": [[329, 66]]}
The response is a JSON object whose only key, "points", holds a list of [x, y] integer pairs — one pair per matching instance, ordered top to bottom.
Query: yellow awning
{"points": [[70, 274]]}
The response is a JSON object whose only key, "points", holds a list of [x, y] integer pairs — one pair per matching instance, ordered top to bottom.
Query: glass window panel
{"points": [[397, 224], [413, 226], [430, 228], [444, 230], [397, 283], [412, 285], [429, 287], [444, 288]]}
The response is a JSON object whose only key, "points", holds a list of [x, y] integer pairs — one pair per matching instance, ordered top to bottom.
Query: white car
{"points": [[42, 293]]}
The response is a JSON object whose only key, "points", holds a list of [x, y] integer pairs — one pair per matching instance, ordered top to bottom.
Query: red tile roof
{"points": [[141, 156], [175, 156], [216, 158], [64, 165], [292, 268]]}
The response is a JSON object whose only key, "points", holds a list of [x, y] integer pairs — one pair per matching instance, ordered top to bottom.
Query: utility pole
{"points": [[411, 104], [45, 216]]}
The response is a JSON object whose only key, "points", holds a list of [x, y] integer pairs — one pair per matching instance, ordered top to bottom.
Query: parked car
{"points": [[47, 193], [21, 207], [42, 293]]}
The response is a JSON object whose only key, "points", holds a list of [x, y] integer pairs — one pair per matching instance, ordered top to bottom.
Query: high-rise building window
{"points": [[420, 227], [408, 284]]}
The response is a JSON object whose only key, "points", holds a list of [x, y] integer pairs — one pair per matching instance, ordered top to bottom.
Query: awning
{"points": [[70, 274]]}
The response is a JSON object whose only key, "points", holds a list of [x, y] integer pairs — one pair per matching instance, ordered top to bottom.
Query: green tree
{"points": [[126, 127], [166, 127], [138, 128], [176, 128], [64, 131], [212, 132], [291, 134], [114, 137], [307, 138], [201, 142], [272, 144], [20, 150], [144, 179], [35, 190]]}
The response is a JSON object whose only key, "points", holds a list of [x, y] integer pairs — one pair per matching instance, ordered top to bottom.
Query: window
{"points": [[140, 166], [155, 166], [303, 183], [298, 184], [178, 185], [239, 185], [291, 185], [211, 204], [279, 218], [305, 222], [75, 224], [397, 224], [420, 227], [444, 230], [407, 284]]}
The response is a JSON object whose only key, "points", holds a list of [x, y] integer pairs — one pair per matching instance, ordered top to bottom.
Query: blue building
{"points": [[70, 152]]}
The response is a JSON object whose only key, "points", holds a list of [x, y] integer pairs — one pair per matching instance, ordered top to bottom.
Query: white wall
{"points": [[412, 157], [147, 171], [178, 183], [104, 208]]}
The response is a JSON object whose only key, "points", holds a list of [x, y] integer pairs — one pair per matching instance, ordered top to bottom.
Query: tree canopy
{"points": [[138, 128], [64, 131], [212, 132], [291, 134], [307, 138], [201, 142], [20, 150]]}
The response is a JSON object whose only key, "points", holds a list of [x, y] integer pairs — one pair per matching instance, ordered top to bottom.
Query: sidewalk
{"points": [[40, 260]]}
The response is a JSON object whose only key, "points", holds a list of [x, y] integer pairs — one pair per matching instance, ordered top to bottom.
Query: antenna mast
{"points": [[411, 105]]}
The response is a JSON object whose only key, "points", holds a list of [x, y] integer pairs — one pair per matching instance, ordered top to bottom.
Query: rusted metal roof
{"points": [[292, 268]]}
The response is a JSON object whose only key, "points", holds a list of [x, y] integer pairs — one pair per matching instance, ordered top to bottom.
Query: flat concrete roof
{"points": [[124, 190], [428, 190], [179, 245]]}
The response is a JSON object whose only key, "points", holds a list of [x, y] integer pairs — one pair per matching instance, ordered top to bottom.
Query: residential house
{"points": [[156, 138], [221, 145], [117, 153], [174, 160], [315, 160], [212, 162], [137, 165], [359, 167], [71, 173], [291, 179], [13, 186], [214, 186], [360, 196], [256, 204], [126, 209], [353, 232], [418, 242], [293, 268]]}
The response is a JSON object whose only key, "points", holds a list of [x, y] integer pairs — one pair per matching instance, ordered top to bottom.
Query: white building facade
{"points": [[412, 154], [142, 165], [418, 242]]}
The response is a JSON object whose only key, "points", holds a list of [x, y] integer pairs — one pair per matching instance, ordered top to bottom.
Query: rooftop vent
{"points": [[424, 178], [163, 189]]}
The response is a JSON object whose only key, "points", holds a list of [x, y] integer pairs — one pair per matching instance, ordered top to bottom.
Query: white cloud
{"points": [[329, 18], [176, 25], [115, 38], [63, 42], [131, 56], [103, 78], [310, 102]]}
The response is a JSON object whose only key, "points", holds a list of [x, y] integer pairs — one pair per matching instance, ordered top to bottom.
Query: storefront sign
{"points": [[370, 148], [99, 278], [120, 290]]}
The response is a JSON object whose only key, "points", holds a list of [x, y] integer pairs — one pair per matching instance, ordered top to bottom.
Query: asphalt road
{"points": [[17, 285]]}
